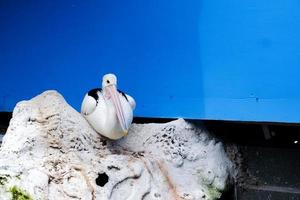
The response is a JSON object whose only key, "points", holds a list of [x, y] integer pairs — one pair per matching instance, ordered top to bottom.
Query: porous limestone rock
{"points": [[50, 152]]}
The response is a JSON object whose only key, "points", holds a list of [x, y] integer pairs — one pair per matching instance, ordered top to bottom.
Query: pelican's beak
{"points": [[115, 97]]}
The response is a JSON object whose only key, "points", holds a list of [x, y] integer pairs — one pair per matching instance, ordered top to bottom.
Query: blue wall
{"points": [[229, 60]]}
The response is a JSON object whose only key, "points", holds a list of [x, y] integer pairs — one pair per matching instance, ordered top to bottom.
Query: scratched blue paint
{"points": [[225, 60]]}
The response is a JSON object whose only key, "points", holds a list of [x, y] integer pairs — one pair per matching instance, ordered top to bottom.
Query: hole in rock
{"points": [[102, 179]]}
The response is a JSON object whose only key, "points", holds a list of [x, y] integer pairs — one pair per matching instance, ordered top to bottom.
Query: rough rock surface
{"points": [[51, 152]]}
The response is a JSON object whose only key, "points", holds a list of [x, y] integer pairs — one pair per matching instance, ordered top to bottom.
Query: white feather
{"points": [[131, 101], [88, 105]]}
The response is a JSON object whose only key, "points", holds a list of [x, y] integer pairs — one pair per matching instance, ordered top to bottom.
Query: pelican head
{"points": [[109, 79], [109, 86]]}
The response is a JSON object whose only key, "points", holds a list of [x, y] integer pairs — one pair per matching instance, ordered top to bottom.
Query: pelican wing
{"points": [[128, 98], [131, 101], [88, 105]]}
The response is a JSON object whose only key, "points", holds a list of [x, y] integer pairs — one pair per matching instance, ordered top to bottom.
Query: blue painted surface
{"points": [[229, 60]]}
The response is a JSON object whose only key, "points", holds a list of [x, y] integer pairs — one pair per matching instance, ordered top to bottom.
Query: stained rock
{"points": [[50, 152]]}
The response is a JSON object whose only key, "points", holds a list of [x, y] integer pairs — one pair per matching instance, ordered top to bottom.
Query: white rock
{"points": [[51, 152]]}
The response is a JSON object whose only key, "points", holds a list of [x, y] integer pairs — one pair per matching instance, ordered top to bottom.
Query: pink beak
{"points": [[114, 94]]}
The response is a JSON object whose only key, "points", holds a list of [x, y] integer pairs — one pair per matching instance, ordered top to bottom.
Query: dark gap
{"points": [[5, 118], [144, 120], [164, 120], [4, 121], [251, 134], [102, 179], [228, 194]]}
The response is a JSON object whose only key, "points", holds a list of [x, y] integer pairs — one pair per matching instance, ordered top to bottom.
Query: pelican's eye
{"points": [[107, 81]]}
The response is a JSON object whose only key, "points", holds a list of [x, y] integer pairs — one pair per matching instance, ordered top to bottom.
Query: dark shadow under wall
{"points": [[4, 121], [267, 156]]}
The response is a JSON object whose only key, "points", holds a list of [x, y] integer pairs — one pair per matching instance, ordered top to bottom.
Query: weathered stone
{"points": [[51, 152]]}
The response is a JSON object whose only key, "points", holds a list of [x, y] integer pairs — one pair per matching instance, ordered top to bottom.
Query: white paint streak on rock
{"points": [[51, 152]]}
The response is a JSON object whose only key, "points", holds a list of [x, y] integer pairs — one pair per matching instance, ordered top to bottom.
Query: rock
{"points": [[51, 152]]}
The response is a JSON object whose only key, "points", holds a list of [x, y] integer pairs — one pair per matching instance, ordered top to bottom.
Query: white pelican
{"points": [[108, 110]]}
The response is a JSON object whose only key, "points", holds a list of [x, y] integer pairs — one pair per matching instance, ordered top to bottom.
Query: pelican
{"points": [[108, 110]]}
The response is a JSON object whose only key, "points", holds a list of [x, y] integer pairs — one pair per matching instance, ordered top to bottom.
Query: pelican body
{"points": [[108, 110]]}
